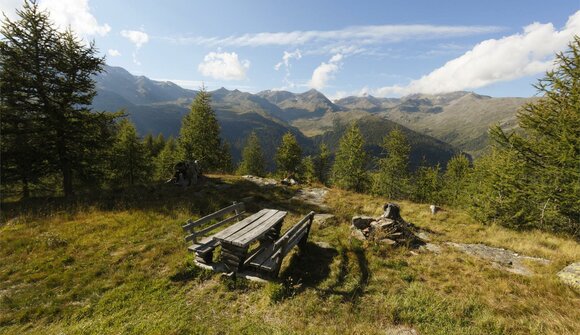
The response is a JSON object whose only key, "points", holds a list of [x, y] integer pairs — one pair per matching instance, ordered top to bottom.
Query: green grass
{"points": [[117, 264]]}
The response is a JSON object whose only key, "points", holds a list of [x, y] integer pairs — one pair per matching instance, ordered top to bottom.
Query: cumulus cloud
{"points": [[75, 14], [359, 34], [136, 37], [114, 52], [494, 60], [224, 66], [325, 71]]}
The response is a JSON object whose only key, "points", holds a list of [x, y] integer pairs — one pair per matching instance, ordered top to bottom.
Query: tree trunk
{"points": [[65, 165]]}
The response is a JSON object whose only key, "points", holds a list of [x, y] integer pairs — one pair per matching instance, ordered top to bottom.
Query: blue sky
{"points": [[383, 48]]}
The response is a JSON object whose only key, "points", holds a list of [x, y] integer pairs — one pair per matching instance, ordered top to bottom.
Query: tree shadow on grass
{"points": [[311, 267]]}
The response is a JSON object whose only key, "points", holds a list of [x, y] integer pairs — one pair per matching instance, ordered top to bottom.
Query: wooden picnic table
{"points": [[263, 226]]}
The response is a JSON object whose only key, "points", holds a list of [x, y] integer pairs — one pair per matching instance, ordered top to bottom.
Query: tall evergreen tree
{"points": [[48, 87], [199, 137], [154, 145], [549, 146], [288, 156], [166, 160], [253, 162], [130, 163], [322, 163], [226, 164], [349, 169], [307, 170], [392, 179], [455, 180], [426, 183]]}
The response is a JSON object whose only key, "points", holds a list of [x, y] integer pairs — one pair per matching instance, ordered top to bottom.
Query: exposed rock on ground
{"points": [[268, 182], [312, 195], [324, 220], [390, 228], [501, 258], [571, 275]]}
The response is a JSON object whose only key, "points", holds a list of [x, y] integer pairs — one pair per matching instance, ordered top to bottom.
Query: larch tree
{"points": [[47, 88], [199, 136], [548, 147], [288, 156], [166, 160], [130, 162], [253, 162], [322, 163], [349, 169], [392, 178], [455, 179]]}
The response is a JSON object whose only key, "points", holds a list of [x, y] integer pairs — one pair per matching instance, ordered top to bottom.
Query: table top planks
{"points": [[251, 228]]}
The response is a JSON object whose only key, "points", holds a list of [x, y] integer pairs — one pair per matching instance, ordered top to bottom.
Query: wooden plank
{"points": [[192, 224], [214, 226], [257, 228], [261, 229], [222, 235]]}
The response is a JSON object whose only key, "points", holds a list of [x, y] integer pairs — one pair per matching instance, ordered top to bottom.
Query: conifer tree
{"points": [[47, 85], [199, 137], [154, 145], [548, 148], [288, 156], [252, 158], [166, 160], [130, 163], [226, 164], [322, 164], [349, 169], [308, 172], [392, 179], [455, 180], [427, 183]]}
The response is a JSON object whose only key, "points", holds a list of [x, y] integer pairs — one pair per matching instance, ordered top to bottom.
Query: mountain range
{"points": [[437, 126]]}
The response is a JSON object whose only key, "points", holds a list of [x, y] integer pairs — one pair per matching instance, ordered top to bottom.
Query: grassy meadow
{"points": [[117, 263]]}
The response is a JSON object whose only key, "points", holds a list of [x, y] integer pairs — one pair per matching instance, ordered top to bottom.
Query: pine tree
{"points": [[47, 86], [199, 137], [154, 145], [549, 146], [288, 156], [166, 160], [253, 162], [130, 163], [322, 163], [226, 164], [349, 169], [307, 170], [392, 179], [455, 180], [427, 183], [495, 189]]}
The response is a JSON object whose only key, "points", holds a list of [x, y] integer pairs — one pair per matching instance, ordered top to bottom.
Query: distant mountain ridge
{"points": [[459, 118]]}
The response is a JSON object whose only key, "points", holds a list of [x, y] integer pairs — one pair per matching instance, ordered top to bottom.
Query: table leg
{"points": [[233, 256]]}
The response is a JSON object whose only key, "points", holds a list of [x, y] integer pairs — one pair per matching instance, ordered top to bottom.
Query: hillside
{"points": [[158, 107], [459, 118], [374, 128], [118, 263]]}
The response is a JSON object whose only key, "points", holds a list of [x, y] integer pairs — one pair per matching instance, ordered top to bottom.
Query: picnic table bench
{"points": [[262, 227], [205, 247], [268, 258]]}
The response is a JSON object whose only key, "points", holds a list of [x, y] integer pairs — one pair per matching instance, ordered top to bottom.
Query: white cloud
{"points": [[64, 13], [360, 35], [136, 37], [114, 53], [296, 54], [494, 60], [224, 66], [325, 71]]}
